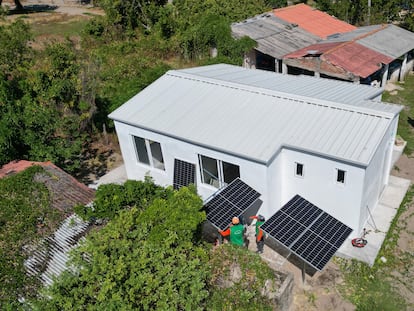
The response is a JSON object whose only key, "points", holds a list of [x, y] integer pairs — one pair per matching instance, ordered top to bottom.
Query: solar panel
{"points": [[184, 174], [228, 202], [307, 231]]}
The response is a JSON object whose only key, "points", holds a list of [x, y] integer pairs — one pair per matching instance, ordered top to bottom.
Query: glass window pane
{"points": [[141, 149], [157, 159], [299, 169], [210, 171], [230, 172], [341, 176]]}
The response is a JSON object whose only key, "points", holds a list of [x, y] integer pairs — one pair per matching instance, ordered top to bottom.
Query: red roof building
{"points": [[312, 20], [65, 190]]}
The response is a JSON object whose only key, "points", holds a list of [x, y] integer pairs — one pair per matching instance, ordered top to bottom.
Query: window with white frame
{"points": [[149, 152], [298, 169], [216, 172], [340, 176]]}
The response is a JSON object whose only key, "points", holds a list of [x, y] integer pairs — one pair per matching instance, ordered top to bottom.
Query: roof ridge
{"points": [[383, 26], [283, 95]]}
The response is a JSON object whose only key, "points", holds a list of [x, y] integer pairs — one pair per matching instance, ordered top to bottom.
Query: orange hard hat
{"points": [[235, 220]]}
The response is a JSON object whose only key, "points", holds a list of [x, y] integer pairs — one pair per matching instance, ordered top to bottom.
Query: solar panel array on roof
{"points": [[184, 174], [229, 202], [307, 231]]}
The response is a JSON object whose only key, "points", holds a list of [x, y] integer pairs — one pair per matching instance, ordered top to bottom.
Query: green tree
{"points": [[357, 12], [131, 14], [15, 56], [52, 117], [22, 202], [141, 260]]}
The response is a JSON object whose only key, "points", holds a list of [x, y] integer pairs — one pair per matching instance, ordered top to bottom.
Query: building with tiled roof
{"points": [[49, 256]]}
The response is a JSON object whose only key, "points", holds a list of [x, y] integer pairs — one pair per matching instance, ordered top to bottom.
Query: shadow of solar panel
{"points": [[184, 174], [233, 200], [308, 231]]}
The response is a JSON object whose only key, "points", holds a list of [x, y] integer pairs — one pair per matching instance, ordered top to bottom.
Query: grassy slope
{"points": [[404, 97]]}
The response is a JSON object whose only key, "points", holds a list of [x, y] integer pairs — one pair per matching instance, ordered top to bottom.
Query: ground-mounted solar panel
{"points": [[184, 174], [233, 200], [307, 231]]}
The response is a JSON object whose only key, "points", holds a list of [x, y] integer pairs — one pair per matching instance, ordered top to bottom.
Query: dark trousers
{"points": [[260, 245]]}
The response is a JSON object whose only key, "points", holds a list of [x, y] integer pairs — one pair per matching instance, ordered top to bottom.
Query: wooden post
{"points": [[303, 273]]}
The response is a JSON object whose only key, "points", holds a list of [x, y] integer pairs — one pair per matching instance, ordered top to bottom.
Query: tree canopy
{"points": [[23, 201], [147, 258]]}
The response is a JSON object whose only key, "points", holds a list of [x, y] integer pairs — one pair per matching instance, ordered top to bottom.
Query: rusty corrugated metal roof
{"points": [[317, 22], [274, 36], [350, 56], [356, 58]]}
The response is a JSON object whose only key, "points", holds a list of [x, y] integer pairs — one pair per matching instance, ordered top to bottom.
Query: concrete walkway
{"points": [[116, 176], [378, 225]]}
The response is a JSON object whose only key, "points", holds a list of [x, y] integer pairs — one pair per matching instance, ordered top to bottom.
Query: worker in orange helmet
{"points": [[235, 231], [259, 233]]}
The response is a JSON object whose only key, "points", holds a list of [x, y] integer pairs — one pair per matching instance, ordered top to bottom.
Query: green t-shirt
{"points": [[258, 224], [236, 235]]}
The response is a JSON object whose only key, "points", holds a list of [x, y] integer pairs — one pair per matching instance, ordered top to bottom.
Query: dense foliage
{"points": [[359, 13], [54, 100], [110, 199], [23, 203], [147, 258]]}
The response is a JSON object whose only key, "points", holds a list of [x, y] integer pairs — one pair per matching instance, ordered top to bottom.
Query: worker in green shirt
{"points": [[235, 231], [259, 233]]}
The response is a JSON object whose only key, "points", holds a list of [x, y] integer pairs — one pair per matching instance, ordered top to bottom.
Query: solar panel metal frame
{"points": [[184, 174], [233, 200], [307, 231]]}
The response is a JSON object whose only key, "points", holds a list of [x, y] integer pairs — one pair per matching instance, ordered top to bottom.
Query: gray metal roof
{"points": [[352, 35], [274, 36], [389, 39], [392, 41], [327, 89], [253, 122]]}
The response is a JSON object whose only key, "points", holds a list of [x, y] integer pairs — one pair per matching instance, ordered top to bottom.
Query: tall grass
{"points": [[404, 97]]}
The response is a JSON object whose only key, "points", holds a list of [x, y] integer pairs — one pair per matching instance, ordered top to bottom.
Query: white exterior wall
{"points": [[251, 173], [377, 174], [277, 182], [318, 185]]}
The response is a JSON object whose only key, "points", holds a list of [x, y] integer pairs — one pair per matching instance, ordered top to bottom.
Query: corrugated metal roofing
{"points": [[313, 20], [354, 34], [274, 36], [390, 40], [351, 56], [326, 89], [254, 122], [50, 258]]}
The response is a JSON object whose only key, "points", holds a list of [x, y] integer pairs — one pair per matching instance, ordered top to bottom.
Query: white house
{"points": [[325, 140]]}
